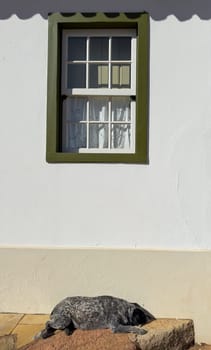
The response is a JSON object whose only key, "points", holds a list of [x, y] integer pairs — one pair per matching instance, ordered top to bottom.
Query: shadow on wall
{"points": [[158, 10]]}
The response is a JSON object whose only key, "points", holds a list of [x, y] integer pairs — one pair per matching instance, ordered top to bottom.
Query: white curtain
{"points": [[74, 124], [93, 129], [98, 132], [121, 132]]}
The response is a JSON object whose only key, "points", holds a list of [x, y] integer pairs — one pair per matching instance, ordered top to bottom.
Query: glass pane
{"points": [[76, 48], [98, 48], [121, 48], [98, 75], [120, 75], [76, 76], [98, 108], [76, 109], [120, 109], [74, 130], [98, 136], [121, 136], [74, 137]]}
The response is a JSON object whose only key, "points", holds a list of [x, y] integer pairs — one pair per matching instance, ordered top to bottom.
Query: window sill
{"points": [[60, 157]]}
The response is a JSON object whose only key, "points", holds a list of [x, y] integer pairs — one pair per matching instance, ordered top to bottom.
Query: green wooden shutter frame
{"points": [[58, 22]]}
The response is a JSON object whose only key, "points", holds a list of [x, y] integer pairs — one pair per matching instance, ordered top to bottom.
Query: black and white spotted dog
{"points": [[88, 313]]}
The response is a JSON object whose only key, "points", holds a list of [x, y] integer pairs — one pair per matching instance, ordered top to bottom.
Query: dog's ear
{"points": [[138, 317]]}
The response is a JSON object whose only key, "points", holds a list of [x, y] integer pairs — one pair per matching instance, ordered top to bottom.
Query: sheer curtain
{"points": [[87, 123], [74, 124], [98, 127], [121, 127]]}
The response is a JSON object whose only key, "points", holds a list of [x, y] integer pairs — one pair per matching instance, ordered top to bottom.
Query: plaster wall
{"points": [[166, 204], [163, 205]]}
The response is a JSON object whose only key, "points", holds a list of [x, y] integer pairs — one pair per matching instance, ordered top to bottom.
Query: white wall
{"points": [[166, 204]]}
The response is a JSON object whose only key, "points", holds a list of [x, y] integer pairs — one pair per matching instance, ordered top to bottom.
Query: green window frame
{"points": [[59, 22]]}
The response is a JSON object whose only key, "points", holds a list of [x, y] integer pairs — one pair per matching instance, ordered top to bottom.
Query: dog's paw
{"points": [[140, 331], [38, 336]]}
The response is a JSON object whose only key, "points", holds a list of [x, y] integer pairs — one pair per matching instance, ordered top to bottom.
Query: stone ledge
{"points": [[168, 334], [100, 339], [201, 346]]}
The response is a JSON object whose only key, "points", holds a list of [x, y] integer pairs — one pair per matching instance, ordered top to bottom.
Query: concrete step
{"points": [[163, 334], [167, 334], [202, 346]]}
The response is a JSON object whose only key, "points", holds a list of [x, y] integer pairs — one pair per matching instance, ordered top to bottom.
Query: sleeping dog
{"points": [[88, 313]]}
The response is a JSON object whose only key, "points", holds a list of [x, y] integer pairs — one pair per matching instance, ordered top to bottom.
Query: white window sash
{"points": [[100, 32], [131, 32], [102, 91], [130, 150]]}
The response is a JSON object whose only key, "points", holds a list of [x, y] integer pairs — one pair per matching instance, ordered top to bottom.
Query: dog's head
{"points": [[140, 316]]}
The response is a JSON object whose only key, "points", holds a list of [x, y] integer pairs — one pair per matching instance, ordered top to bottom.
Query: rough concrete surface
{"points": [[168, 334], [102, 339], [8, 342], [202, 346]]}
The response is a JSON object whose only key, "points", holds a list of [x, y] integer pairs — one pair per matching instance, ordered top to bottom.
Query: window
{"points": [[97, 88]]}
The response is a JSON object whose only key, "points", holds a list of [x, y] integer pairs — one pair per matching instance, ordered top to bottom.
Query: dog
{"points": [[100, 312]]}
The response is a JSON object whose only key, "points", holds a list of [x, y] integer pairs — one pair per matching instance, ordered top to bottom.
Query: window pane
{"points": [[76, 48], [98, 48], [121, 48], [98, 75], [121, 75], [76, 76], [98, 108], [76, 109], [120, 109], [74, 130], [98, 136], [120, 136], [74, 137]]}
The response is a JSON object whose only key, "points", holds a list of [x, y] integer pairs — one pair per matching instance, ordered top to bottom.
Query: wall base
{"points": [[167, 283]]}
